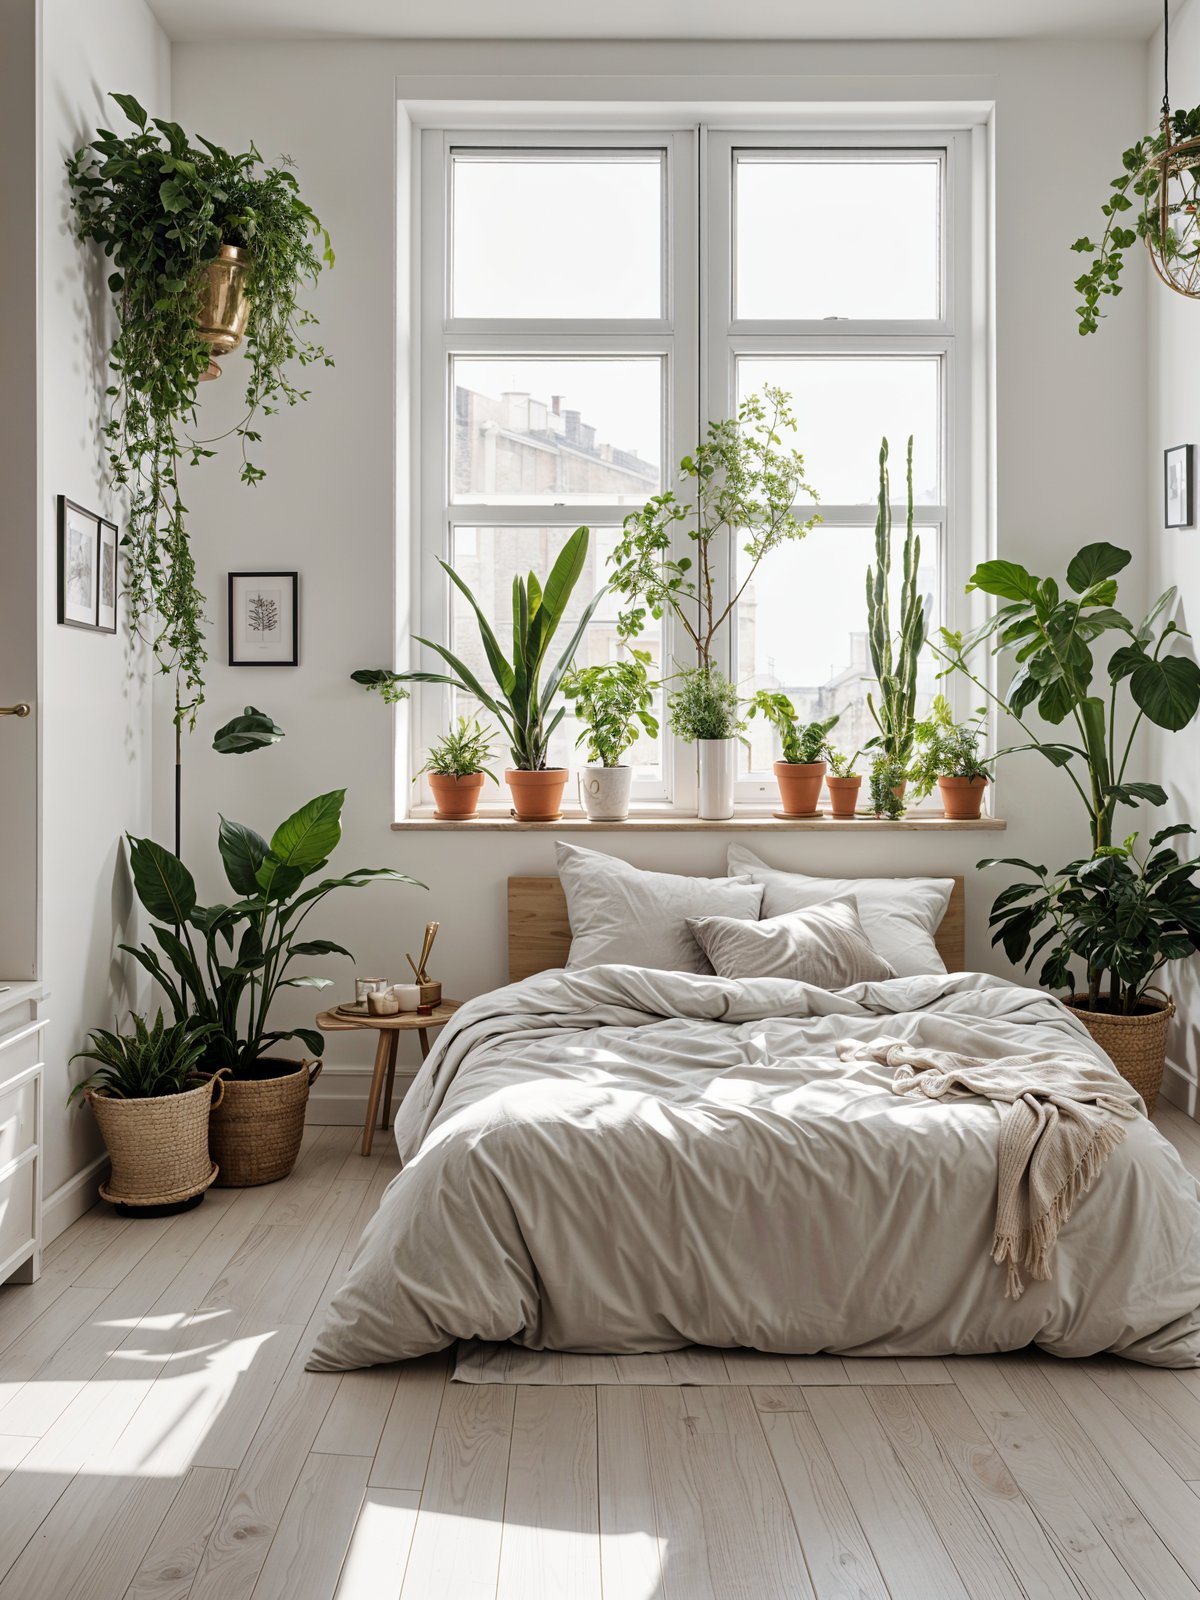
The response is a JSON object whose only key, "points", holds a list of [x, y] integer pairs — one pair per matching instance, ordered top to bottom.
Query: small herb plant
{"points": [[614, 702], [704, 706], [801, 743], [946, 749], [460, 753], [842, 765], [886, 778], [146, 1063]]}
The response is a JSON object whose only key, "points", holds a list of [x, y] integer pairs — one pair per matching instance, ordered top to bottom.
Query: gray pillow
{"points": [[619, 913], [824, 946]]}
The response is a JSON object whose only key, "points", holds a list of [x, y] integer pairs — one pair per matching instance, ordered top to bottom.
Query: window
{"points": [[583, 310]]}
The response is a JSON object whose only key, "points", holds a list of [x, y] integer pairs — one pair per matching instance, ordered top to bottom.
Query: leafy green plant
{"points": [[161, 208], [1178, 244], [744, 484], [1052, 639], [895, 656], [614, 702], [704, 706], [523, 708], [253, 730], [806, 742], [946, 749], [463, 751], [841, 765], [886, 778], [1123, 916], [229, 962], [146, 1063]]}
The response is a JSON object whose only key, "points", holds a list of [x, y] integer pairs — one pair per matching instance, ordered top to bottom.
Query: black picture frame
{"points": [[1178, 483], [87, 529], [288, 644]]}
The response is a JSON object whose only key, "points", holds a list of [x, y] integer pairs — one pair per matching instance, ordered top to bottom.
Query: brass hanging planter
{"points": [[1173, 230], [225, 308]]}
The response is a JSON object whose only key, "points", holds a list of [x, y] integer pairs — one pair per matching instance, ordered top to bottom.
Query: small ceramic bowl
{"points": [[382, 1003]]}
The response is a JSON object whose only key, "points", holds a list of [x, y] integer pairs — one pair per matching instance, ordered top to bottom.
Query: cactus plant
{"points": [[894, 656]]}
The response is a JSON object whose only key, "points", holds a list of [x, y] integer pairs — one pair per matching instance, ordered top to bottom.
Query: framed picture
{"points": [[1177, 486], [78, 564], [106, 581], [264, 621]]}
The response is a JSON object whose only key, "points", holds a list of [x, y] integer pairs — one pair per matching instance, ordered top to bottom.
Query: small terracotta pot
{"points": [[800, 786], [843, 794], [537, 796], [962, 798], [455, 799]]}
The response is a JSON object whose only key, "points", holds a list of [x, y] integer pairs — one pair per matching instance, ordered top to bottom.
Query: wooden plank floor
{"points": [[160, 1440]]}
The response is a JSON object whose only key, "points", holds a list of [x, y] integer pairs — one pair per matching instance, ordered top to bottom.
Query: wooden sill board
{"points": [[500, 823]]}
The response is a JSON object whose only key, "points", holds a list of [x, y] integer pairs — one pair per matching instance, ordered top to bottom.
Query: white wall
{"points": [[1069, 421], [1173, 554], [95, 693]]}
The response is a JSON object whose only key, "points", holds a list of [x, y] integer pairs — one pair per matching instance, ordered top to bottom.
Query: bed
{"points": [[615, 1158]]}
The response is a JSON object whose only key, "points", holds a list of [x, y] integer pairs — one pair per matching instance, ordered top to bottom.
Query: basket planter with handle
{"points": [[1136, 1044], [255, 1131], [159, 1145]]}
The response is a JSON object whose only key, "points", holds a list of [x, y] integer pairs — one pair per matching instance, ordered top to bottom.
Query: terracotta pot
{"points": [[800, 786], [843, 794], [537, 796], [962, 798], [455, 799], [1136, 1045], [254, 1133]]}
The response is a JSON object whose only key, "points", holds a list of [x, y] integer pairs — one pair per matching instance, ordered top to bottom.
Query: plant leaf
{"points": [[1094, 563], [1168, 691], [309, 836], [243, 852], [162, 882]]}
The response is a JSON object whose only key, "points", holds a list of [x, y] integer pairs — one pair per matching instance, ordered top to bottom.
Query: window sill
{"points": [[764, 822]]}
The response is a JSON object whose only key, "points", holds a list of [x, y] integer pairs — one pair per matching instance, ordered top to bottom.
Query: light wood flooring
{"points": [[160, 1440]]}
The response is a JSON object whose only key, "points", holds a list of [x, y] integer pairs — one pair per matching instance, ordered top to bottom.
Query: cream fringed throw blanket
{"points": [[1060, 1117]]}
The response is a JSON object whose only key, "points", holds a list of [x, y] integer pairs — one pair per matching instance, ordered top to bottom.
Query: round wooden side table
{"points": [[389, 1030]]}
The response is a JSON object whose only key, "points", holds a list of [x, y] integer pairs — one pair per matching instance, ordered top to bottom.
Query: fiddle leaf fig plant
{"points": [[161, 207]]}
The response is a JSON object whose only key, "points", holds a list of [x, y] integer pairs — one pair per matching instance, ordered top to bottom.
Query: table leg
{"points": [[423, 1036], [393, 1040], [382, 1050]]}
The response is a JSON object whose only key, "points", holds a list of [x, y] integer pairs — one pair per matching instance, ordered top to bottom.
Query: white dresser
{"points": [[21, 1088]]}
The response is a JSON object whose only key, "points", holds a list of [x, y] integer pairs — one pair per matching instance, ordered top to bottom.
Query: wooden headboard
{"points": [[539, 934]]}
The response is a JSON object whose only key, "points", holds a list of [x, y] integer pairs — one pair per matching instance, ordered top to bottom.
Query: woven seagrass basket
{"points": [[1137, 1045], [255, 1131], [159, 1147]]}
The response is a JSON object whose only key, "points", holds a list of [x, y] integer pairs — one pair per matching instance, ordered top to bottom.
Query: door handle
{"points": [[21, 709]]}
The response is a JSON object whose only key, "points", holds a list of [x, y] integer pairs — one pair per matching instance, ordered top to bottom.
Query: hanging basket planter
{"points": [[1173, 224]]}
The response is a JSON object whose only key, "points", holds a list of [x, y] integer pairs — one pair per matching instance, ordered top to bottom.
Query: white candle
{"points": [[408, 994]]}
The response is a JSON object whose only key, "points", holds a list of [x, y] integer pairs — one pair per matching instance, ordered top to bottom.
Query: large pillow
{"points": [[620, 913], [899, 915], [825, 946]]}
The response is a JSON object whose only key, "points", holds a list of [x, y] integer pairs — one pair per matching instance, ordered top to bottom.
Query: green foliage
{"points": [[161, 207], [1126, 219], [744, 484], [894, 656], [378, 680], [614, 702], [523, 706], [705, 706], [253, 730], [807, 743], [946, 749], [463, 751], [841, 765], [886, 777], [1114, 912], [221, 966], [144, 1064]]}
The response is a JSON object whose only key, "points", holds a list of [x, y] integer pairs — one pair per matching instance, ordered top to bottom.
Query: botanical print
{"points": [[1178, 509], [81, 568], [107, 609], [262, 614], [262, 619]]}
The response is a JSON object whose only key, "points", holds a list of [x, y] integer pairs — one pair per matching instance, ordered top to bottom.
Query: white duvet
{"points": [[618, 1159]]}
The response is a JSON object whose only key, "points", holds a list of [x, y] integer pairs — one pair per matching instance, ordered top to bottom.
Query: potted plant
{"points": [[207, 248], [1053, 631], [894, 655], [614, 702], [524, 704], [703, 711], [947, 756], [455, 764], [801, 772], [843, 783], [1123, 917], [222, 967], [152, 1104]]}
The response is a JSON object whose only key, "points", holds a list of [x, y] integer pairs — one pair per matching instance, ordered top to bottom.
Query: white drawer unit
{"points": [[21, 1086]]}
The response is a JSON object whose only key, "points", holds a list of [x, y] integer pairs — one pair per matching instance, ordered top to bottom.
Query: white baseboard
{"points": [[1182, 1090], [338, 1099], [71, 1199]]}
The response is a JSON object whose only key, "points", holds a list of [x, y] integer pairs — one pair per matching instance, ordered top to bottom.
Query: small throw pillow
{"points": [[619, 913], [899, 915], [825, 946]]}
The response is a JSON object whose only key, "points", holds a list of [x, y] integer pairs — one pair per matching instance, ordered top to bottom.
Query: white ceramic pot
{"points": [[718, 770], [604, 792]]}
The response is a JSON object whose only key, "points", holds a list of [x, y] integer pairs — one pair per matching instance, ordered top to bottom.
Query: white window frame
{"points": [[700, 341]]}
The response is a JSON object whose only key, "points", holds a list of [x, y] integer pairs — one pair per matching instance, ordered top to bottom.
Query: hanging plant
{"points": [[184, 225]]}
